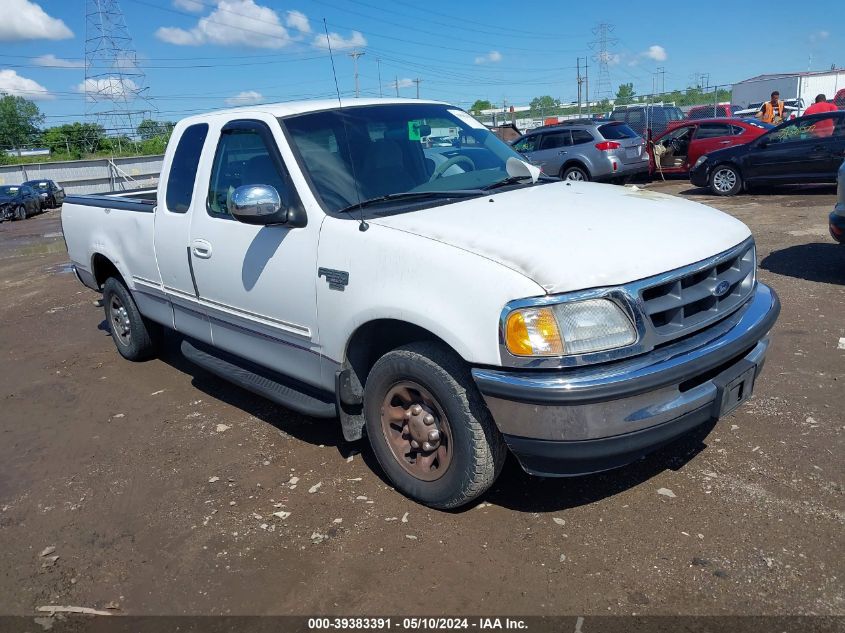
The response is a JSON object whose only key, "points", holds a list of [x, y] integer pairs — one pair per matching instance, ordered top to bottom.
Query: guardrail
{"points": [[99, 175]]}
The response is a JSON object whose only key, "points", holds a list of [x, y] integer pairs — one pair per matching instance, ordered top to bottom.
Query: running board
{"points": [[264, 382]]}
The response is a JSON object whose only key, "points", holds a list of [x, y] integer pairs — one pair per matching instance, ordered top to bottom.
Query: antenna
{"points": [[362, 226]]}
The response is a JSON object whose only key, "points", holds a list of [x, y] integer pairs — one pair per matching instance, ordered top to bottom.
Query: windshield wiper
{"points": [[512, 180], [410, 195]]}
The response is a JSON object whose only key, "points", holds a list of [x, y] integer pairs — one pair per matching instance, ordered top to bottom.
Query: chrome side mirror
{"points": [[257, 204]]}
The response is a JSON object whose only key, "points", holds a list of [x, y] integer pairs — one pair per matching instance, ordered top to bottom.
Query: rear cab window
{"points": [[183, 169]]}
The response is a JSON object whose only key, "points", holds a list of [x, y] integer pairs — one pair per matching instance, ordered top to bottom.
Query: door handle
{"points": [[724, 142], [561, 152], [201, 249]]}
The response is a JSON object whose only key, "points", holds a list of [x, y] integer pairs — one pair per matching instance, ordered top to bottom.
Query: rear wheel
{"points": [[575, 172], [725, 180], [20, 213], [133, 335], [429, 428]]}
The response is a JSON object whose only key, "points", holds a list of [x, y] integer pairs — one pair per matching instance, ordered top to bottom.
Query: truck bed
{"points": [[141, 200]]}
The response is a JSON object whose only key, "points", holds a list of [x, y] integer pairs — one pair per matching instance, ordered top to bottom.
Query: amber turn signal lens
{"points": [[533, 332]]}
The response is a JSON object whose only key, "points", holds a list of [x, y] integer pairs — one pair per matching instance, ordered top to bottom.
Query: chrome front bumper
{"points": [[655, 393]]}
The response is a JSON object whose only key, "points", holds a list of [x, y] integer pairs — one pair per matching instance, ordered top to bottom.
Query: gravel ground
{"points": [[167, 491]]}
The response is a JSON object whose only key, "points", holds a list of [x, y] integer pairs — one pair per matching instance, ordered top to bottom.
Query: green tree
{"points": [[625, 94], [545, 104], [479, 105], [19, 121], [149, 129], [75, 139]]}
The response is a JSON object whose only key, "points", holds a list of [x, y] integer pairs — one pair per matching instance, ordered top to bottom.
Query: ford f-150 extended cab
{"points": [[448, 302]]}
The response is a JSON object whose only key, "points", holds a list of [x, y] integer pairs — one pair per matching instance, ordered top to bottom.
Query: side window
{"points": [[712, 130], [737, 130], [803, 130], [579, 137], [553, 140], [526, 144], [242, 158], [183, 170]]}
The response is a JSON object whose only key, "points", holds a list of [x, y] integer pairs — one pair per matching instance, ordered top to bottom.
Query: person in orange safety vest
{"points": [[772, 111]]}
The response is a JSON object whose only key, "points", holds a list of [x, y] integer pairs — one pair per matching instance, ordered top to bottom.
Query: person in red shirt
{"points": [[825, 126]]}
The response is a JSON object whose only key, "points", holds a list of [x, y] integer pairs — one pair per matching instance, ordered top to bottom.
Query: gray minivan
{"points": [[585, 150]]}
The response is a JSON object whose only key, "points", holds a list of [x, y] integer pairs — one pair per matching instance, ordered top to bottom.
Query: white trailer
{"points": [[804, 86]]}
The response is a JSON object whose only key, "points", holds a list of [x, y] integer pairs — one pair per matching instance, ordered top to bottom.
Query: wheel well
{"points": [[573, 163], [103, 268], [368, 343]]}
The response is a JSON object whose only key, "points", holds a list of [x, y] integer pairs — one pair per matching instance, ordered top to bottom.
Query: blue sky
{"points": [[204, 54]]}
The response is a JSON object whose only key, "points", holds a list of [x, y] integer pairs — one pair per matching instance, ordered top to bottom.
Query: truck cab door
{"points": [[173, 232], [256, 283]]}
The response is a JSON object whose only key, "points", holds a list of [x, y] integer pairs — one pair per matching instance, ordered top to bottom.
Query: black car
{"points": [[644, 117], [804, 150], [52, 195], [18, 202]]}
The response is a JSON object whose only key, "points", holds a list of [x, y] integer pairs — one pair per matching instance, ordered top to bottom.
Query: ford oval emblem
{"points": [[721, 289]]}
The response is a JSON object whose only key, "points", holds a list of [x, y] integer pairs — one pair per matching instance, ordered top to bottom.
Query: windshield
{"points": [[367, 152], [38, 184], [9, 191]]}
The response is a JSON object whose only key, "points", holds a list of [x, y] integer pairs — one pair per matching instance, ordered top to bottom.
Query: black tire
{"points": [[575, 172], [725, 180], [20, 213], [134, 336], [477, 448]]}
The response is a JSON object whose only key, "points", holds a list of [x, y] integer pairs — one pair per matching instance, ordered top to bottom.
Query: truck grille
{"points": [[698, 297]]}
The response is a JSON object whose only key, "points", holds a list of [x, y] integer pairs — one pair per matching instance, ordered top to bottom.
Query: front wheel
{"points": [[725, 180], [20, 213], [133, 335], [429, 427]]}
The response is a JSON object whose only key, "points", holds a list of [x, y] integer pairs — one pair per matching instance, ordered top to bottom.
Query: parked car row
{"points": [[18, 202]]}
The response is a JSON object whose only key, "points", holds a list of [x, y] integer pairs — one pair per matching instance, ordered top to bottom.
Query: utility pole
{"points": [[355, 55], [378, 63], [662, 72], [705, 79], [417, 81], [580, 81], [587, 84], [397, 85]]}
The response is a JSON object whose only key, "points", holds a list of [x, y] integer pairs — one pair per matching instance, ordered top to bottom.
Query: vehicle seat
{"points": [[261, 170], [385, 170]]}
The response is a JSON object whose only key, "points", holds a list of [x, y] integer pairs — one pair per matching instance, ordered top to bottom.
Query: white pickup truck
{"points": [[447, 302]]}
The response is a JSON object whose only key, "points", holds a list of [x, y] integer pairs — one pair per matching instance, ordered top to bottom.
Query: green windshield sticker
{"points": [[414, 130]]}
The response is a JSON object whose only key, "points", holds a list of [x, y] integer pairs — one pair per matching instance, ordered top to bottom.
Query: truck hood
{"points": [[574, 236]]}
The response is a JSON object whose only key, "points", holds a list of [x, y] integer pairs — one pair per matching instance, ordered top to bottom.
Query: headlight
{"points": [[700, 161], [579, 327]]}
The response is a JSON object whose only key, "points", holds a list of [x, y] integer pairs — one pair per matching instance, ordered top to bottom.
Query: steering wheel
{"points": [[442, 167]]}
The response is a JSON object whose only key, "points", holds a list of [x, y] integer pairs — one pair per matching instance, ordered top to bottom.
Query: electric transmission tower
{"points": [[602, 45], [115, 85]]}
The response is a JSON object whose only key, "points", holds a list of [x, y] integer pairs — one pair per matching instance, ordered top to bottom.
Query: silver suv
{"points": [[585, 150]]}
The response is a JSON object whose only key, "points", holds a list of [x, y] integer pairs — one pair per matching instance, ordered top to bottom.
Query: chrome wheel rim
{"points": [[575, 174], [724, 180], [119, 321]]}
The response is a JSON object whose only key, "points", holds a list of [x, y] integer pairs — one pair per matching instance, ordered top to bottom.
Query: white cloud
{"points": [[194, 6], [25, 20], [299, 21], [232, 23], [819, 36], [356, 40], [657, 53], [490, 58], [57, 62], [11, 83], [403, 83], [108, 87], [247, 97]]}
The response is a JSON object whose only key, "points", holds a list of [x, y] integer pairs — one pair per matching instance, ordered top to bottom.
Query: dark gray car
{"points": [[585, 150]]}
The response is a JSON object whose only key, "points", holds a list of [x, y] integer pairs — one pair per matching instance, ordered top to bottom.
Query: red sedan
{"points": [[680, 146]]}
